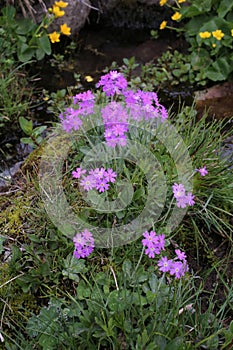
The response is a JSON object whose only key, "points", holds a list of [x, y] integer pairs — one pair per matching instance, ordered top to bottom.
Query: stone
{"points": [[75, 17]]}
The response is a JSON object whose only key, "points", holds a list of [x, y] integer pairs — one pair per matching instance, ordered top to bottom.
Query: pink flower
{"points": [[203, 171], [78, 172], [180, 255], [164, 264]]}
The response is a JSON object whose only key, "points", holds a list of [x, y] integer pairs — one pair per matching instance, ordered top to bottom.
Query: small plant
{"points": [[208, 28], [29, 40], [35, 134]]}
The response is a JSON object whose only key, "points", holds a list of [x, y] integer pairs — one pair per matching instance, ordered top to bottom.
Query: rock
{"points": [[76, 14], [217, 99]]}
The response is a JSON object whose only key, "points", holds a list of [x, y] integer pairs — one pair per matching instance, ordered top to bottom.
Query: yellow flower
{"points": [[180, 1], [162, 2], [61, 4], [57, 12], [176, 16], [163, 25], [65, 29], [231, 32], [218, 34], [205, 35], [54, 37], [213, 45], [88, 78]]}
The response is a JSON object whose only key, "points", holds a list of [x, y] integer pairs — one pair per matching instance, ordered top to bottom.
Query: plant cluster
{"points": [[208, 28], [28, 39]]}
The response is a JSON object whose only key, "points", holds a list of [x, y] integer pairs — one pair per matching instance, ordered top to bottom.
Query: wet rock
{"points": [[76, 14], [133, 14], [217, 100]]}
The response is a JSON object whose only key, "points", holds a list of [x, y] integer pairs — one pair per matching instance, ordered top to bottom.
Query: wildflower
{"points": [[180, 1], [162, 2], [61, 4], [57, 12], [176, 16], [163, 25], [65, 29], [231, 32], [218, 34], [205, 35], [54, 37], [213, 45], [88, 78], [113, 83], [86, 102], [70, 119], [203, 171], [78, 172], [97, 173], [110, 175], [88, 182], [102, 185], [178, 190], [190, 199], [181, 202], [150, 239], [153, 243], [83, 244], [180, 255], [164, 264], [177, 269]]}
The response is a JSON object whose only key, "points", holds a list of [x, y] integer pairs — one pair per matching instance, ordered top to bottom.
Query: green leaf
{"points": [[224, 7], [9, 12], [25, 26], [44, 44], [25, 53], [40, 54], [220, 70], [26, 125], [27, 141], [73, 266], [127, 268]]}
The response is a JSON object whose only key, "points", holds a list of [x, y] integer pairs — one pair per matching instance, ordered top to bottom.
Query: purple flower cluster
{"points": [[113, 83], [84, 103], [138, 105], [144, 105], [115, 121], [203, 171], [98, 178], [182, 199], [153, 243], [83, 244], [176, 267]]}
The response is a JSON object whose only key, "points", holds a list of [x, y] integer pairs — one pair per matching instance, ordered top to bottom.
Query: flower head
{"points": [[162, 2], [61, 4], [57, 12], [176, 16], [163, 25], [65, 29], [231, 32], [218, 34], [205, 35], [54, 37], [113, 83], [203, 171], [78, 172], [178, 190], [83, 244], [164, 264]]}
